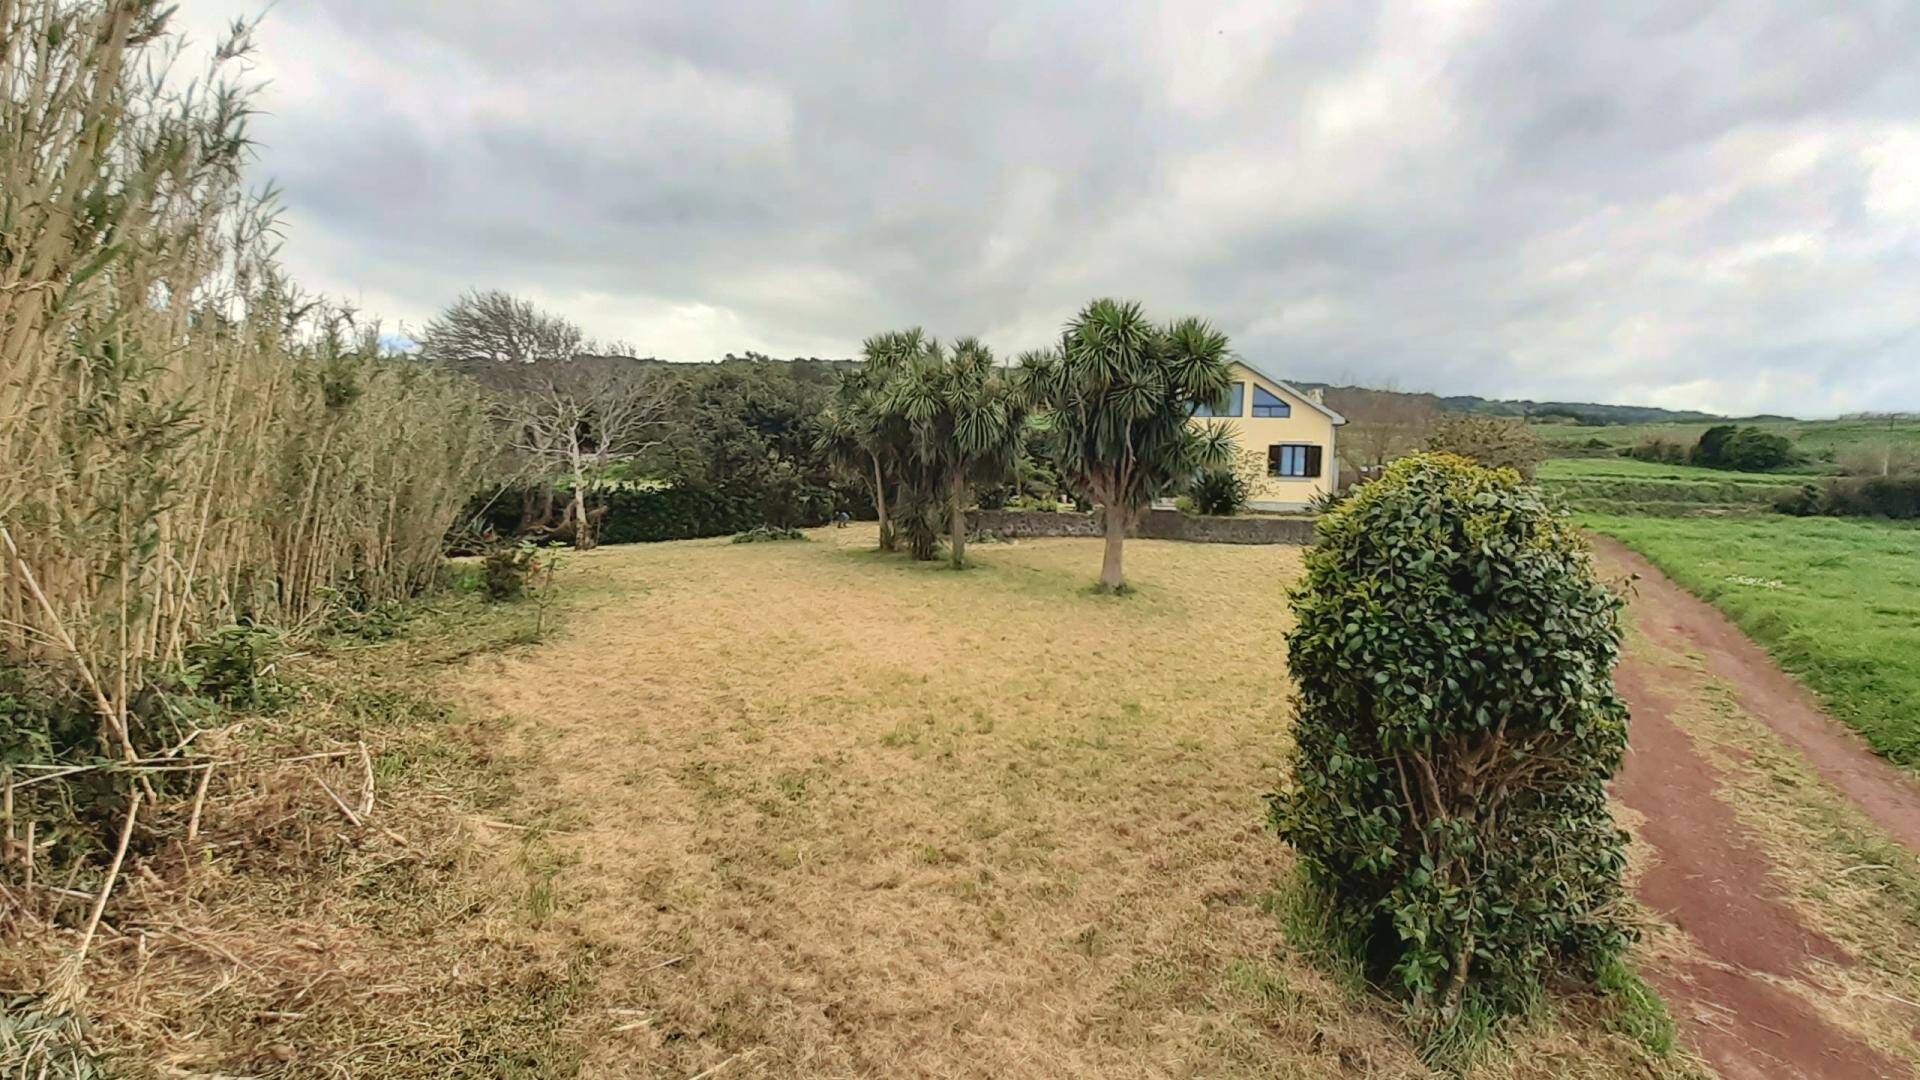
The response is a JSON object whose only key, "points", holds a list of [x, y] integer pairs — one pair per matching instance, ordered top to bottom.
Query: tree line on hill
{"points": [[602, 444]]}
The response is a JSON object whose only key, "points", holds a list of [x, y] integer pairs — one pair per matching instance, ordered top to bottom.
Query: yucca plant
{"points": [[1117, 393], [966, 421], [858, 434]]}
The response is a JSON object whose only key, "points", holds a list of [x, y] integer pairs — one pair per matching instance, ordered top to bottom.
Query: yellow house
{"points": [[1289, 429]]}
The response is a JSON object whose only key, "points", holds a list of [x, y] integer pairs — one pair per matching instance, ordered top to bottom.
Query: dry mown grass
{"points": [[777, 810], [833, 813]]}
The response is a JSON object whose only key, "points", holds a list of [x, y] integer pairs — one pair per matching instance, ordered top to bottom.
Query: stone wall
{"points": [[1023, 524], [1154, 525]]}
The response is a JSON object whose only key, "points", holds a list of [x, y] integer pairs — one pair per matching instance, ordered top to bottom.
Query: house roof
{"points": [[1318, 406]]}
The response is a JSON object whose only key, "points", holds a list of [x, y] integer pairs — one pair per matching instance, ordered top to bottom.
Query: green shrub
{"points": [[1712, 442], [1746, 449], [1753, 450], [1663, 451], [1221, 492], [1896, 497], [1324, 502], [636, 514], [760, 534], [505, 570], [236, 665], [1457, 722]]}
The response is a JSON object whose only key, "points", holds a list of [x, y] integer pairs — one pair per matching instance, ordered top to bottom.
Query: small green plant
{"points": [[1220, 492], [1326, 502], [760, 534], [505, 569], [237, 665], [1457, 724], [1635, 1010]]}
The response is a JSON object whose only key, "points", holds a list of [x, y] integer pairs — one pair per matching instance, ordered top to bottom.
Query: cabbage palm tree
{"points": [[1117, 393], [967, 421], [857, 433]]}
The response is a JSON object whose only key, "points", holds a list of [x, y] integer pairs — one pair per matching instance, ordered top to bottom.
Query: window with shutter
{"points": [[1294, 460]]}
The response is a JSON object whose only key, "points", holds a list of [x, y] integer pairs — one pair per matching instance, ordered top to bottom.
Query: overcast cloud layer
{"points": [[1686, 204]]}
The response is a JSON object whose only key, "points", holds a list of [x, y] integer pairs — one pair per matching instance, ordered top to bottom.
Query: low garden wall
{"points": [[1154, 525]]}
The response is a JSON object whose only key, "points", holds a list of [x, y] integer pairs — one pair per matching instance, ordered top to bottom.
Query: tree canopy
{"points": [[1116, 395]]}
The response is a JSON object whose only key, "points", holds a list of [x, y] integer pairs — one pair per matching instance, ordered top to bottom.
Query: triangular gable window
{"points": [[1265, 404]]}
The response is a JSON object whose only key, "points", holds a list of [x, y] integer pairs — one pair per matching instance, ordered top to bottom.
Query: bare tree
{"points": [[492, 335], [573, 419], [1382, 425]]}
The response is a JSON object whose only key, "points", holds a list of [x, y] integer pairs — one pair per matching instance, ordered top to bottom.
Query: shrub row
{"points": [[1723, 446], [1581, 492], [1871, 496], [677, 513], [636, 514]]}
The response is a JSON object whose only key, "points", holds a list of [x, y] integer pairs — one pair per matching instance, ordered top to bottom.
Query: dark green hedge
{"points": [[683, 512], [677, 513]]}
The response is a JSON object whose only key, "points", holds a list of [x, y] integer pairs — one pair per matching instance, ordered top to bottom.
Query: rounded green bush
{"points": [[1221, 492], [1457, 724]]}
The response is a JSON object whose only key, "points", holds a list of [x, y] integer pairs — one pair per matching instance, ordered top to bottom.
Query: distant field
{"points": [[1822, 440], [1618, 485], [1836, 601]]}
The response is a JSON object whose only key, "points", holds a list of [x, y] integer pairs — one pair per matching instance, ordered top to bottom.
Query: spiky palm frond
{"points": [[1117, 395]]}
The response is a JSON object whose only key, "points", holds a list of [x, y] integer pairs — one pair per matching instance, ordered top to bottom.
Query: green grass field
{"points": [[1823, 441], [1617, 485], [1836, 601]]}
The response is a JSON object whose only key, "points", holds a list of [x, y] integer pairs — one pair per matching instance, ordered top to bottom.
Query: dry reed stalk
{"points": [[186, 439], [66, 984]]}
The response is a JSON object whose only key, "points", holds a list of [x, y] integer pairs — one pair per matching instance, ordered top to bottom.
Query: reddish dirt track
{"points": [[1744, 1006]]}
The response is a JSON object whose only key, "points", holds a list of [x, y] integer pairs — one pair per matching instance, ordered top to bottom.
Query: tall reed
{"points": [[186, 440]]}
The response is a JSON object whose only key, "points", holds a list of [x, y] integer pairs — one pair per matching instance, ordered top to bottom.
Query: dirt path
{"points": [[1753, 988]]}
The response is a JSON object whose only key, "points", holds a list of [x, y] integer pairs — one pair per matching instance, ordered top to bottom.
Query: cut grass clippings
{"points": [[305, 936]]}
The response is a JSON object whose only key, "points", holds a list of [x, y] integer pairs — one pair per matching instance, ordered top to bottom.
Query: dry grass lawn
{"points": [[817, 811]]}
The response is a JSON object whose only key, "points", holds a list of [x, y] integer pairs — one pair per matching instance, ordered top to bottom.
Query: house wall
{"points": [[1255, 434]]}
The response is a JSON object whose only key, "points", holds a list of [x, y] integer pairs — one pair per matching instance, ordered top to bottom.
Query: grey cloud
{"points": [[1688, 203]]}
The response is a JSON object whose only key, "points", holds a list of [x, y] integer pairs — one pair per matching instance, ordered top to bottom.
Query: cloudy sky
{"points": [[1666, 202]]}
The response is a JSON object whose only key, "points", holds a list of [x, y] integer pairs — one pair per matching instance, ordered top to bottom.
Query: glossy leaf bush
{"points": [[1457, 724]]}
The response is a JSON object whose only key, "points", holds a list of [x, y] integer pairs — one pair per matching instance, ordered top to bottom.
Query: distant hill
{"points": [[1584, 413], [1587, 413]]}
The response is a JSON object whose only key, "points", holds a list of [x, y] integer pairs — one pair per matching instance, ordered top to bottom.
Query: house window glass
{"points": [[1236, 399], [1265, 404], [1233, 408], [1293, 460]]}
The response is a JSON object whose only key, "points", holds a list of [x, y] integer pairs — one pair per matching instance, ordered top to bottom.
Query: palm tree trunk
{"points": [[880, 504], [957, 523], [1111, 579]]}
